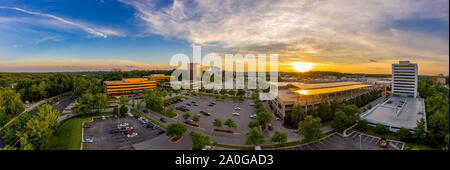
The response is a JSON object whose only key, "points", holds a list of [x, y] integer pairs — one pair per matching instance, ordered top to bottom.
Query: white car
{"points": [[252, 104], [237, 108], [236, 114], [253, 116], [123, 124], [132, 134], [87, 140], [208, 148]]}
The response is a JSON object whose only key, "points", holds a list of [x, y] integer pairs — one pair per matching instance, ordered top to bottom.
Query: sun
{"points": [[302, 66]]}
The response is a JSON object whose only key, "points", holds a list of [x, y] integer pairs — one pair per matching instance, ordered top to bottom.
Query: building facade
{"points": [[404, 79], [128, 85], [311, 95]]}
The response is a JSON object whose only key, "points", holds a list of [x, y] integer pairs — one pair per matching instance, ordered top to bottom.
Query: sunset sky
{"points": [[353, 36]]}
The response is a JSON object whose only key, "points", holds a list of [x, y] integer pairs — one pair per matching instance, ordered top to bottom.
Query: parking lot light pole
{"points": [[360, 142]]}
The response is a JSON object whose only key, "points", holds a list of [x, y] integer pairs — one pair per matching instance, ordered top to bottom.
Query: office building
{"points": [[404, 79]]}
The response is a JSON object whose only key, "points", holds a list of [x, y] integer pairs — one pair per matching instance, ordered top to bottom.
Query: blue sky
{"points": [[343, 35]]}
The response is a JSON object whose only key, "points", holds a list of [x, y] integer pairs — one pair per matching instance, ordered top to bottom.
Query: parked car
{"points": [[187, 104], [195, 104], [252, 104], [210, 105], [237, 108], [201, 111], [206, 114], [235, 114], [137, 116], [253, 116], [162, 120], [189, 120], [144, 121], [123, 124], [149, 125], [87, 126], [270, 126], [154, 127], [114, 131], [161, 132], [132, 135], [87, 140]]}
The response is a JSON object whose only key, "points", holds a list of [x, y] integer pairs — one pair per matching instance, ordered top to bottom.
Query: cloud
{"points": [[327, 31], [96, 32]]}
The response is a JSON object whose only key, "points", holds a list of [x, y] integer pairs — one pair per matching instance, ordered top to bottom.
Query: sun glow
{"points": [[302, 66]]}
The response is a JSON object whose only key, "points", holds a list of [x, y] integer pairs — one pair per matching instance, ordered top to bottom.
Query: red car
{"points": [[201, 111], [130, 131]]}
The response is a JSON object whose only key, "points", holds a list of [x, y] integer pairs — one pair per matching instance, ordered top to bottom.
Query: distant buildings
{"points": [[404, 79], [291, 94], [403, 109]]}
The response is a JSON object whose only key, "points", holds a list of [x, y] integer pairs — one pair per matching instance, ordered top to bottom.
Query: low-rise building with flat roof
{"points": [[291, 94], [397, 112]]}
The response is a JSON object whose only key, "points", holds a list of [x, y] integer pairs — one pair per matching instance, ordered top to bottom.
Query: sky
{"points": [[335, 35]]}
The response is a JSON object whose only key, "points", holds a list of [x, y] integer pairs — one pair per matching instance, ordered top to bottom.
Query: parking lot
{"points": [[222, 110], [100, 132], [351, 142]]}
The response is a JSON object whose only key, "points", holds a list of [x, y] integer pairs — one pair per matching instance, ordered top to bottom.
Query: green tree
{"points": [[223, 91], [231, 92], [240, 92], [124, 100], [153, 100], [101, 101], [10, 102], [123, 110], [325, 112], [187, 115], [295, 116], [196, 118], [263, 118], [341, 121], [217, 122], [230, 123], [253, 124], [362, 125], [310, 128], [176, 129], [381, 129], [419, 131], [404, 134], [10, 135], [254, 137], [279, 137], [199, 140]]}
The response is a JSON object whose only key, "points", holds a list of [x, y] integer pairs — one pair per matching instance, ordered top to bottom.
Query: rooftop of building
{"points": [[307, 86], [290, 94], [397, 112]]}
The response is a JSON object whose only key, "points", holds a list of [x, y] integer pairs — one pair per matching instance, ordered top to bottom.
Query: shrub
{"points": [[362, 125], [381, 129], [404, 134]]}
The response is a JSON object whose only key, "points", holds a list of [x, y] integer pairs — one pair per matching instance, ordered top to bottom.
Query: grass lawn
{"points": [[68, 136], [416, 146]]}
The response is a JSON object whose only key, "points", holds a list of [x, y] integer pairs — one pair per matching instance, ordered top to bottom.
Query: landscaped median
{"points": [[135, 112]]}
